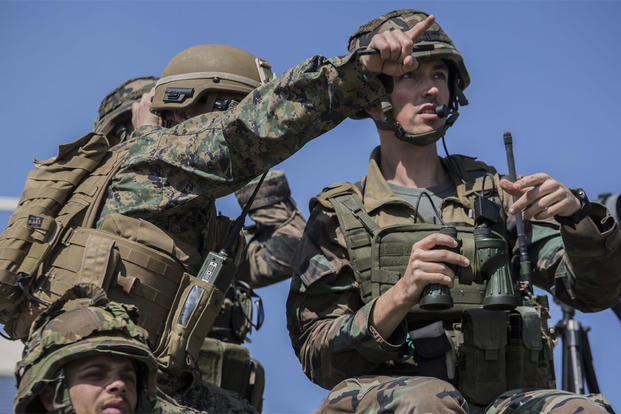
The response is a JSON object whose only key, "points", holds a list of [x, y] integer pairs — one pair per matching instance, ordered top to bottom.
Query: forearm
{"points": [[277, 119], [214, 154], [276, 234], [272, 247], [593, 258], [581, 266], [389, 311], [330, 330], [332, 348]]}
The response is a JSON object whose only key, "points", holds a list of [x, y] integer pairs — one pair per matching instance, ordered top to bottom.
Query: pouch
{"points": [[185, 330], [431, 346], [524, 348], [481, 369]]}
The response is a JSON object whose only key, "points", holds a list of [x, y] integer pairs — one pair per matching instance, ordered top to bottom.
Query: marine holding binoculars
{"points": [[405, 297]]}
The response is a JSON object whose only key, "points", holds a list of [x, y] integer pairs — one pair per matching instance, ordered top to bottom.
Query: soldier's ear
{"points": [[375, 112], [47, 397]]}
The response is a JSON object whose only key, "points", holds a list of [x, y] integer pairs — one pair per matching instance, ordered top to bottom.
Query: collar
{"points": [[377, 192]]}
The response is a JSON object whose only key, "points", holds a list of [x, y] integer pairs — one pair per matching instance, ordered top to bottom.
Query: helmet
{"points": [[443, 48], [208, 69], [117, 105], [81, 323]]}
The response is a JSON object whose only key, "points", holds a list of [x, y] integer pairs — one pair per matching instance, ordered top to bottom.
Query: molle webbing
{"points": [[34, 226], [358, 229], [379, 255], [146, 277]]}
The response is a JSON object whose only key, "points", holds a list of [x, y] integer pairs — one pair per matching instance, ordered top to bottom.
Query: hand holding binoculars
{"points": [[491, 266]]}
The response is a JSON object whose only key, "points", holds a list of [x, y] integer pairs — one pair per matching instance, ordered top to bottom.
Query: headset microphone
{"points": [[442, 111]]}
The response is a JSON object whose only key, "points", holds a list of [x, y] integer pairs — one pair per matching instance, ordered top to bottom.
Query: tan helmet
{"points": [[435, 45], [208, 69], [117, 105]]}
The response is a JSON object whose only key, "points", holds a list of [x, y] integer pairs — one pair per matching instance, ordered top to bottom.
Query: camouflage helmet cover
{"points": [[405, 19], [442, 48], [208, 68], [118, 103], [82, 322]]}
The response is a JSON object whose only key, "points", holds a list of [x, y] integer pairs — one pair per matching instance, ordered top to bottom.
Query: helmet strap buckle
{"points": [[398, 129]]}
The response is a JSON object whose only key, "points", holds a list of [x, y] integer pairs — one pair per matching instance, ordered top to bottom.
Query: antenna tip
{"points": [[508, 138]]}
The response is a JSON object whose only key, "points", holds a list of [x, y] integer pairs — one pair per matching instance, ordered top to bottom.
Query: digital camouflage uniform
{"points": [[170, 177], [157, 192], [273, 239], [271, 242], [332, 293], [84, 323]]}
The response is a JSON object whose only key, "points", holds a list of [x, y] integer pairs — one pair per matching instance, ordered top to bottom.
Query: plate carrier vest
{"points": [[51, 243], [490, 358]]}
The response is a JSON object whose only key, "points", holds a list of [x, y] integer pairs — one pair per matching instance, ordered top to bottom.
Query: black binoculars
{"points": [[491, 265]]}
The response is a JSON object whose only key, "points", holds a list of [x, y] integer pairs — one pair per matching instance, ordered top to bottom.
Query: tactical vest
{"points": [[51, 241], [488, 361]]}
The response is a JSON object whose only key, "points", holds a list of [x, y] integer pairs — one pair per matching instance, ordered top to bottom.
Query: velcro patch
{"points": [[35, 221]]}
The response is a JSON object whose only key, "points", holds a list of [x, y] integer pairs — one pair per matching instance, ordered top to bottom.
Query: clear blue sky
{"points": [[546, 71]]}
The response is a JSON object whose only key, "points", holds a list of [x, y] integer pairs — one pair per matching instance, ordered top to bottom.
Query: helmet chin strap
{"points": [[427, 138], [61, 404]]}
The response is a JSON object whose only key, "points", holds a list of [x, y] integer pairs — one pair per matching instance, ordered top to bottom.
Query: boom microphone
{"points": [[442, 111]]}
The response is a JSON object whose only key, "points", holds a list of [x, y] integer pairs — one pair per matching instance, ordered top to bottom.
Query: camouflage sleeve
{"points": [[214, 154], [275, 236], [581, 266], [327, 321]]}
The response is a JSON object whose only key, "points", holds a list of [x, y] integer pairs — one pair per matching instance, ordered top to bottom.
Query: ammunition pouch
{"points": [[523, 348], [503, 350], [230, 366], [481, 369]]}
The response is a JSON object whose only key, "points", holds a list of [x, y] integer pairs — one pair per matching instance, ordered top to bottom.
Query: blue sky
{"points": [[546, 71]]}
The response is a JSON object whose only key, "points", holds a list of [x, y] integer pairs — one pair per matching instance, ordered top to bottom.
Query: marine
{"points": [[274, 213], [138, 218], [270, 243], [405, 298], [86, 354]]}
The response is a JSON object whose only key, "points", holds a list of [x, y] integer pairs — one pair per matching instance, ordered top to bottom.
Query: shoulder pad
{"points": [[472, 164], [470, 167], [331, 191]]}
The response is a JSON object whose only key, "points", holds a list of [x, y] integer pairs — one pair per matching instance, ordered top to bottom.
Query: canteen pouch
{"points": [[180, 343], [524, 348], [481, 368]]}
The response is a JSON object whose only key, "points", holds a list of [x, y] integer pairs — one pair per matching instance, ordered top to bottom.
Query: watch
{"points": [[585, 209]]}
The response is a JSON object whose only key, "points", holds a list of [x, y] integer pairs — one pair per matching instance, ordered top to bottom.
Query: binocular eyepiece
{"points": [[490, 265], [435, 296]]}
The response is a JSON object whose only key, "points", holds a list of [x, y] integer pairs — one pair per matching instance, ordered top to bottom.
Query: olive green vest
{"points": [[379, 255], [489, 360]]}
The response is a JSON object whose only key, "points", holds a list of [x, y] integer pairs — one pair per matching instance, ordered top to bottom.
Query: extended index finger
{"points": [[420, 27], [532, 180]]}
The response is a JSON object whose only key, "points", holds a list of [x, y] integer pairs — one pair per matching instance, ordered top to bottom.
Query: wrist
{"points": [[580, 214]]}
